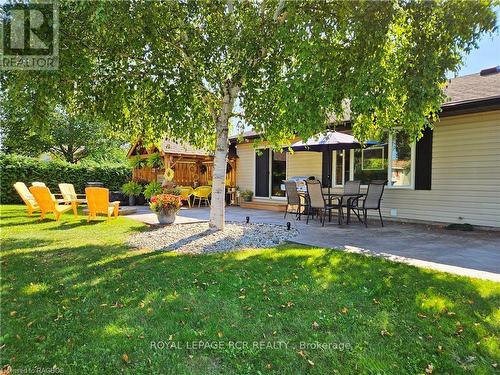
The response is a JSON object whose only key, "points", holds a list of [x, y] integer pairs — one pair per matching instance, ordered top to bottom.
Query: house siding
{"points": [[304, 164], [245, 167], [465, 174]]}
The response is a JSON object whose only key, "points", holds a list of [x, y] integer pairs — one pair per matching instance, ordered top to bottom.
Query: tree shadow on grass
{"points": [[118, 300]]}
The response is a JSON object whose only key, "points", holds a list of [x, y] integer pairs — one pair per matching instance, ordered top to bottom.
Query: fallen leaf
{"points": [[376, 302], [344, 310], [13, 313], [422, 316], [30, 324], [315, 325], [459, 330], [385, 333], [220, 334], [440, 349], [301, 353], [125, 358], [311, 363], [494, 365], [269, 366], [429, 369]]}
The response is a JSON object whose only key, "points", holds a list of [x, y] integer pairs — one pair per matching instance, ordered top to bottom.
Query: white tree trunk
{"points": [[217, 210]]}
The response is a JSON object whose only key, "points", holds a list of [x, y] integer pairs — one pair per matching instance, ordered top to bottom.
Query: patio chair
{"points": [[42, 184], [351, 187], [186, 193], [202, 193], [27, 197], [70, 197], [294, 198], [372, 199], [317, 201], [47, 202], [98, 203]]}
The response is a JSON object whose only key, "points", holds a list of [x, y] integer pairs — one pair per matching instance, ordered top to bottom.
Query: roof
{"points": [[473, 87], [465, 94], [170, 147]]}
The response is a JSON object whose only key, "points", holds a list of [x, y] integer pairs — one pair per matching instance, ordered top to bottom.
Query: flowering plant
{"points": [[165, 202]]}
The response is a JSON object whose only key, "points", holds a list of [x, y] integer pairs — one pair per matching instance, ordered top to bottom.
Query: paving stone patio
{"points": [[475, 254]]}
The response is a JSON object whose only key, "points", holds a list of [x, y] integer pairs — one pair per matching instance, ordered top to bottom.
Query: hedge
{"points": [[15, 168]]}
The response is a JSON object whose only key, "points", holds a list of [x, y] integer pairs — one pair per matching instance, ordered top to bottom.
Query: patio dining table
{"points": [[350, 199]]}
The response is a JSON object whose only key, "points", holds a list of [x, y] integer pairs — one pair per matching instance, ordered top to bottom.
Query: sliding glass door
{"points": [[270, 171]]}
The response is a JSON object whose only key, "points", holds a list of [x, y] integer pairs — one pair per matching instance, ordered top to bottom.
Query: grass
{"points": [[74, 296]]}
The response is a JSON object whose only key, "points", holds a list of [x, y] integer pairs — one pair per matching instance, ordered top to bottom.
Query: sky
{"points": [[486, 56]]}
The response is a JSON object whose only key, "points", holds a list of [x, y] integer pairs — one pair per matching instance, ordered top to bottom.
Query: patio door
{"points": [[270, 171], [262, 173]]}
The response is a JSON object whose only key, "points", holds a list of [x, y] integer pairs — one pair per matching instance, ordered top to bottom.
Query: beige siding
{"points": [[304, 164], [245, 168], [465, 174]]}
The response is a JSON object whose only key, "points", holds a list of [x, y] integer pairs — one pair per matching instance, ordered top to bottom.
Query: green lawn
{"points": [[76, 297]]}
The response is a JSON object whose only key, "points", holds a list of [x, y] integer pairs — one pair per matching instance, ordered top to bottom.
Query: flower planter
{"points": [[166, 217]]}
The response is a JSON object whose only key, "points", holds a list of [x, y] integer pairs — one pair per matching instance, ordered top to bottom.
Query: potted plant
{"points": [[155, 161], [132, 189], [152, 189], [247, 195], [166, 207]]}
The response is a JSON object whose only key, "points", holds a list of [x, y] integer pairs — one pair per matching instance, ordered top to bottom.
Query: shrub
{"points": [[155, 161], [137, 162], [21, 168], [132, 188], [151, 189]]}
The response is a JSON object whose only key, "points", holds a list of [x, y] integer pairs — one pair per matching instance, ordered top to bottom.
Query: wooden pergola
{"points": [[191, 166]]}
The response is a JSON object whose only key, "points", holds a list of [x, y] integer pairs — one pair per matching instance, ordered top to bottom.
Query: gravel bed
{"points": [[197, 238]]}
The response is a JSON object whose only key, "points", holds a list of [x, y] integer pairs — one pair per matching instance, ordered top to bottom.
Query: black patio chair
{"points": [[294, 198], [372, 199], [317, 202], [350, 203]]}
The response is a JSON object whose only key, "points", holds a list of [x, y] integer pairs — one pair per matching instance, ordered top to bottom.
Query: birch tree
{"points": [[177, 68]]}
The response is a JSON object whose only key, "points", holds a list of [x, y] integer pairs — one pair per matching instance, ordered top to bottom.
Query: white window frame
{"points": [[334, 167], [389, 167]]}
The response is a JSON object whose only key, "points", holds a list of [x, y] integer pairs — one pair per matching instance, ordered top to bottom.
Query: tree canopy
{"points": [[176, 68]]}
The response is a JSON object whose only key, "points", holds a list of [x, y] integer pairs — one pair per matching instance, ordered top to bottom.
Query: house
{"points": [[192, 166], [451, 175]]}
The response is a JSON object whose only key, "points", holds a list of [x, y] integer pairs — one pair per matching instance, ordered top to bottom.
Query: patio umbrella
{"points": [[326, 143]]}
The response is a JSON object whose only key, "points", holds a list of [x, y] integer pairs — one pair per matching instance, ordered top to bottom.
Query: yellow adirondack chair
{"points": [[42, 184], [186, 193], [202, 193], [27, 197], [70, 197], [47, 203], [98, 203]]}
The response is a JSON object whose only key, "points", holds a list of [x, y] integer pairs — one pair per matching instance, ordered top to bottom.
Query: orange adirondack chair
{"points": [[27, 197], [47, 202], [98, 203]]}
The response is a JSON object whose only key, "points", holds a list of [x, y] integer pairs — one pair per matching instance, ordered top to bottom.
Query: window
{"points": [[391, 160], [401, 160], [371, 163], [342, 167], [278, 170]]}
